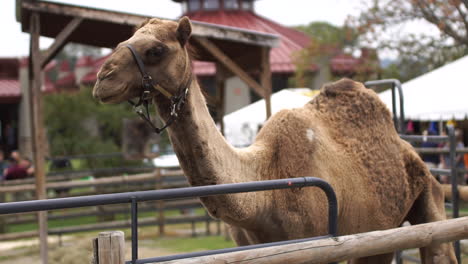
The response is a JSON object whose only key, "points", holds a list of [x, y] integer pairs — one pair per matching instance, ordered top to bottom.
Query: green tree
{"points": [[326, 33], [326, 41], [77, 124]]}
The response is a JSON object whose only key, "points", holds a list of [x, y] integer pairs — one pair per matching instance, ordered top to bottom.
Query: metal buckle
{"points": [[147, 83]]}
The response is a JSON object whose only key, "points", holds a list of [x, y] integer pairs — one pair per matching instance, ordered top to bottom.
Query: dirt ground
{"points": [[77, 249], [74, 250]]}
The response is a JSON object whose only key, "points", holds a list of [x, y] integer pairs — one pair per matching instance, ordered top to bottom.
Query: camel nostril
{"points": [[106, 75]]}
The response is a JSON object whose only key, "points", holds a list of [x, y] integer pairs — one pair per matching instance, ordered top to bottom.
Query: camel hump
{"points": [[342, 86]]}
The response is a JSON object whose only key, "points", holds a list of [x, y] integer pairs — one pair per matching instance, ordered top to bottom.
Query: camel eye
{"points": [[156, 52]]}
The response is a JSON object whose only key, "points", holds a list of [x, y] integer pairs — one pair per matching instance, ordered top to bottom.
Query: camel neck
{"points": [[204, 154], [208, 159]]}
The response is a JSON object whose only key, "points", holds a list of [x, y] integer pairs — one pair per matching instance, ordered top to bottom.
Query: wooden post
{"points": [[230, 64], [266, 79], [38, 129], [160, 204], [3, 218], [207, 224], [218, 227], [194, 229], [346, 247], [109, 248]]}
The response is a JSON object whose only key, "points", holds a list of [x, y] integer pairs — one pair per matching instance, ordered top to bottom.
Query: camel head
{"points": [[161, 45]]}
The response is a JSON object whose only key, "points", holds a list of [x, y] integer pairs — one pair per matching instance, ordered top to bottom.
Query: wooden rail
{"points": [[161, 179], [106, 181], [346, 247]]}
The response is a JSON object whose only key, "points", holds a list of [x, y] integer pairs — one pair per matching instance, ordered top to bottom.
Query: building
{"points": [[235, 14], [241, 14], [15, 111]]}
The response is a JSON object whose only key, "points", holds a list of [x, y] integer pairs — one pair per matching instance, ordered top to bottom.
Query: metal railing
{"points": [[399, 123], [452, 172], [201, 191]]}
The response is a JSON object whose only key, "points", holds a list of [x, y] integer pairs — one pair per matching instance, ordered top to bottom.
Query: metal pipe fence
{"points": [[450, 138], [452, 172], [191, 192]]}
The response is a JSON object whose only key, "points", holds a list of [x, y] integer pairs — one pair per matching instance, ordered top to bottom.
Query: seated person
{"points": [[21, 170]]}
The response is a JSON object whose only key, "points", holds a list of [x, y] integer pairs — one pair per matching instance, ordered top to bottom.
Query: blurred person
{"points": [[15, 157], [445, 158], [431, 160], [23, 169]]}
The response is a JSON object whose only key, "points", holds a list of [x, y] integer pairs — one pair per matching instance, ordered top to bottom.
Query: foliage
{"points": [[387, 24], [326, 33], [327, 40], [78, 124], [194, 243]]}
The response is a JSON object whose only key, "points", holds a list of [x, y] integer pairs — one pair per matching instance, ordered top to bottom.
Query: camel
{"points": [[345, 135]]}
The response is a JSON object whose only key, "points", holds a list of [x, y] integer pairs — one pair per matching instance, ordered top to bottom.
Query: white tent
{"points": [[441, 94], [241, 126]]}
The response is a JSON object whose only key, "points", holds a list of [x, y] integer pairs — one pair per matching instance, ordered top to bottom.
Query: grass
{"points": [[77, 221], [193, 244]]}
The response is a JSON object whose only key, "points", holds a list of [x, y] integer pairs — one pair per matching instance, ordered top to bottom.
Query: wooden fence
{"points": [[159, 179], [314, 251]]}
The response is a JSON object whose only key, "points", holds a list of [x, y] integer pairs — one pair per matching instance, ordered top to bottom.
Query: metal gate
{"points": [[190, 192]]}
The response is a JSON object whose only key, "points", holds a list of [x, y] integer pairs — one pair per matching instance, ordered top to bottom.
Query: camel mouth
{"points": [[112, 95], [109, 99]]}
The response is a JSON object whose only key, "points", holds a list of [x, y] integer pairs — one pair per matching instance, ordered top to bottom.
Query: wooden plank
{"points": [[198, 28], [60, 40], [230, 64], [266, 79], [38, 131], [92, 183], [160, 204], [111, 247], [346, 247]]}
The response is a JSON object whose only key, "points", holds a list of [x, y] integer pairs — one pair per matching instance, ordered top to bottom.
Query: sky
{"points": [[290, 13]]}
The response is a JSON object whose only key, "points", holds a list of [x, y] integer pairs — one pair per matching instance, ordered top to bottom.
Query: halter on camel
{"points": [[177, 101]]}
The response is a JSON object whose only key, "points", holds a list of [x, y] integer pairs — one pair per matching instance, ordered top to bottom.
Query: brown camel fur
{"points": [[345, 136]]}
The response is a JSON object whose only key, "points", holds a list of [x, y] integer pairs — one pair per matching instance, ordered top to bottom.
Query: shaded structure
{"points": [[234, 51]]}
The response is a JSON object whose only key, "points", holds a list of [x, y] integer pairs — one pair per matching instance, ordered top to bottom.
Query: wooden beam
{"points": [[198, 28], [60, 40], [230, 65], [266, 79], [38, 130], [95, 183], [346, 247]]}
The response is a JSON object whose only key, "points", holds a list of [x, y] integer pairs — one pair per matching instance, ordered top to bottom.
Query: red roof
{"points": [[281, 57], [84, 61], [344, 63], [65, 66], [91, 77], [66, 81], [10, 89]]}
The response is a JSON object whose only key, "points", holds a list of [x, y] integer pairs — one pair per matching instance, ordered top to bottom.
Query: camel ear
{"points": [[184, 29]]}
